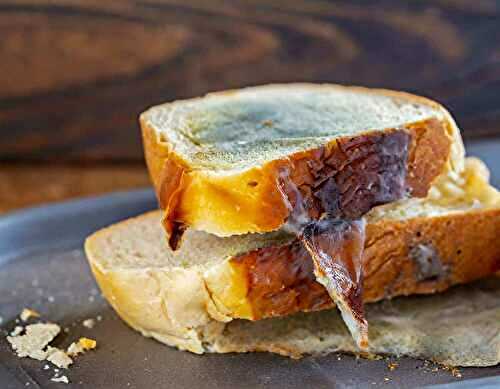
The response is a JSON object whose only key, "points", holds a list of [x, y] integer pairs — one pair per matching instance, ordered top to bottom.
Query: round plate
{"points": [[42, 266]]}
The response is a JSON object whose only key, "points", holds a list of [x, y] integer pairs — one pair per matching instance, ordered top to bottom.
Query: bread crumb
{"points": [[51, 299], [28, 313], [99, 317], [89, 323], [16, 331], [33, 342], [87, 344], [81, 346], [75, 349], [58, 357], [392, 366], [454, 371], [62, 379], [386, 379]]}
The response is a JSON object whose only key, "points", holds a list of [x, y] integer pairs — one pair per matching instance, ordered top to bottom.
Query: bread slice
{"points": [[231, 162], [415, 246], [456, 328]]}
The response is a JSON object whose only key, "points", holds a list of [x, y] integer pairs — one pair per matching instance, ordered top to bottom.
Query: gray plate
{"points": [[42, 266]]}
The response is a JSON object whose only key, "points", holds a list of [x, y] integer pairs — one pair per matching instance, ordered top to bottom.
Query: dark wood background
{"points": [[75, 74]]}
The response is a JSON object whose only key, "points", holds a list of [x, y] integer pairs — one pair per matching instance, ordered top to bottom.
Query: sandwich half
{"points": [[311, 160], [233, 162], [239, 293]]}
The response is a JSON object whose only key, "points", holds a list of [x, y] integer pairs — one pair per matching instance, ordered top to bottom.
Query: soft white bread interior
{"points": [[238, 129], [187, 298]]}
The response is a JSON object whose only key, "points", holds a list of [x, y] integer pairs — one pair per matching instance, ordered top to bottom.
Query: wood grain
{"points": [[75, 74], [23, 185]]}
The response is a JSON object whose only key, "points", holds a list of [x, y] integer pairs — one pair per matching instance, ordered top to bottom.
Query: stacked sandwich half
{"points": [[283, 199]]}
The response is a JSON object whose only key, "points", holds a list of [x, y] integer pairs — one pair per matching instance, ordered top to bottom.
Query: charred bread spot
{"points": [[348, 179], [177, 232], [427, 264]]}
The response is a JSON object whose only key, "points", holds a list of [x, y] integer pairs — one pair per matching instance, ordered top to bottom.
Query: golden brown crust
{"points": [[429, 152], [167, 172], [252, 200], [417, 256]]}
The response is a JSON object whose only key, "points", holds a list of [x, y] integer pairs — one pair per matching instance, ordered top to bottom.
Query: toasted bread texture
{"points": [[216, 162], [415, 246]]}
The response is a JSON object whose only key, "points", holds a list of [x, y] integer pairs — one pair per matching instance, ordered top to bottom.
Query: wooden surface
{"points": [[75, 74], [28, 185]]}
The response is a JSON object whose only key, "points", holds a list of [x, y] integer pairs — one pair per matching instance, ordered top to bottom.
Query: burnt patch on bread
{"points": [[348, 179], [327, 195], [176, 234], [427, 263]]}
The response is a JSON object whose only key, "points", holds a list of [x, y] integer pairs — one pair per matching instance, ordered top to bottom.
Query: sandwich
{"points": [[284, 200]]}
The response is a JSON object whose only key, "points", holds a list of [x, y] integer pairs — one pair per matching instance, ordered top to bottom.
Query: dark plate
{"points": [[42, 266]]}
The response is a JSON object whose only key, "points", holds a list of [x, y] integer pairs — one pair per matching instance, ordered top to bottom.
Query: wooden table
{"points": [[75, 74], [28, 184]]}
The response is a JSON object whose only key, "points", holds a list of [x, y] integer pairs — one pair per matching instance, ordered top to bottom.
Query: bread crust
{"points": [[252, 201]]}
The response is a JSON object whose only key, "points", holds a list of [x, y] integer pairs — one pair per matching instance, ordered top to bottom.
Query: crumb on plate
{"points": [[28, 313]]}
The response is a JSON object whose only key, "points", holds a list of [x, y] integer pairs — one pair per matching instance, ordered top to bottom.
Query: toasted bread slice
{"points": [[231, 162], [415, 246]]}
